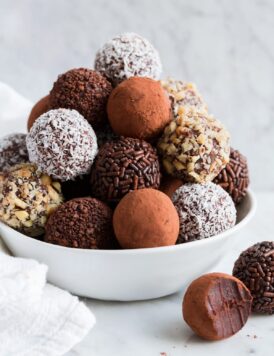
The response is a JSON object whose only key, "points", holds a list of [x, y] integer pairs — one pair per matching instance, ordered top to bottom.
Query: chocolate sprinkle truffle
{"points": [[128, 55], [83, 90], [183, 96], [139, 107], [38, 109], [62, 144], [194, 147], [13, 150], [123, 165], [234, 178], [27, 198], [204, 210], [145, 218], [81, 223], [255, 268], [216, 306]]}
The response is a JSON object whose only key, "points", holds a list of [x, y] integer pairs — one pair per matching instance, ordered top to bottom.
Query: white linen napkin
{"points": [[36, 318]]}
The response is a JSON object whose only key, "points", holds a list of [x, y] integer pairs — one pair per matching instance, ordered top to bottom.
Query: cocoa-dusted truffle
{"points": [[128, 55], [83, 90], [183, 96], [138, 107], [38, 109], [62, 144], [194, 147], [13, 150], [123, 165], [234, 178], [169, 185], [27, 198], [204, 210], [146, 218], [81, 223], [255, 268], [216, 306]]}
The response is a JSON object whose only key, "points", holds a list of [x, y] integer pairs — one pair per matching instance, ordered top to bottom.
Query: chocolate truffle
{"points": [[128, 55], [83, 90], [183, 96], [139, 108], [39, 109], [62, 144], [194, 147], [13, 150], [123, 165], [234, 178], [169, 185], [27, 198], [204, 210], [146, 218], [81, 223], [255, 268], [216, 306]]}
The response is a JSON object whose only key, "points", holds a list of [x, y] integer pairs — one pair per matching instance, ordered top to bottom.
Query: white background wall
{"points": [[225, 46]]}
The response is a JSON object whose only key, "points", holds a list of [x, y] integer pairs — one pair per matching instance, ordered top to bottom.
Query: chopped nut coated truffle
{"points": [[27, 198]]}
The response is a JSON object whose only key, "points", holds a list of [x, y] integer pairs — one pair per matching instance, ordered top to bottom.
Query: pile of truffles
{"points": [[116, 157]]}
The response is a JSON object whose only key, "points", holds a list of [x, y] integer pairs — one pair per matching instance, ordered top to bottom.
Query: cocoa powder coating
{"points": [[83, 90], [139, 107], [38, 109], [169, 185], [146, 218], [81, 223], [216, 306]]}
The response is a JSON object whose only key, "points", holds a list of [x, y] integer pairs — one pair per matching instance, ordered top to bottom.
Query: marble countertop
{"points": [[156, 327]]}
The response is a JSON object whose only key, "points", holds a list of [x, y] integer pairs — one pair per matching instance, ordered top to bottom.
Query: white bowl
{"points": [[128, 275]]}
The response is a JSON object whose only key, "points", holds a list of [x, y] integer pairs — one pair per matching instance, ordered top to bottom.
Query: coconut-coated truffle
{"points": [[128, 55], [83, 90], [183, 96], [139, 107], [38, 109], [62, 144], [194, 147], [13, 150], [123, 165], [234, 178], [27, 198], [204, 210], [146, 218], [81, 223], [255, 268], [216, 306]]}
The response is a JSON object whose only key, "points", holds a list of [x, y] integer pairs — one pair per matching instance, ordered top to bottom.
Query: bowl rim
{"points": [[149, 250]]}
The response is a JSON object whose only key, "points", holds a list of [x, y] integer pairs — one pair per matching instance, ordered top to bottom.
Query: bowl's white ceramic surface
{"points": [[128, 275]]}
